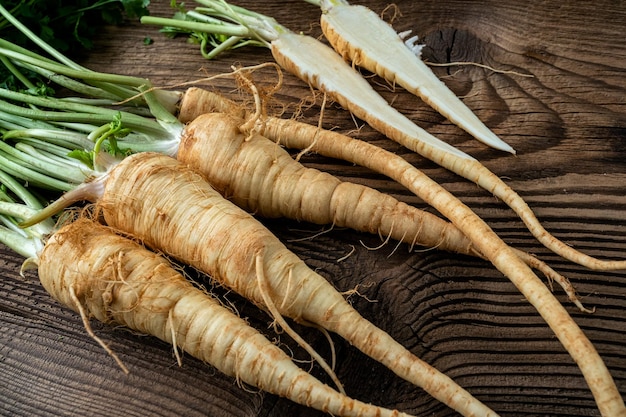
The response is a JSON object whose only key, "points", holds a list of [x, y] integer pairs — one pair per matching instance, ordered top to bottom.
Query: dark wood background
{"points": [[568, 124]]}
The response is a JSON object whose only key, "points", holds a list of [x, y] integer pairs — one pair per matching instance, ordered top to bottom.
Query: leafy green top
{"points": [[68, 25]]}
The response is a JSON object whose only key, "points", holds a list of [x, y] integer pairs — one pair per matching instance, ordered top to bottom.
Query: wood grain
{"points": [[568, 124]]}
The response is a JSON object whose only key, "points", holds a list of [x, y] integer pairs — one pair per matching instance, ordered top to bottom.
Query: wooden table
{"points": [[568, 124]]}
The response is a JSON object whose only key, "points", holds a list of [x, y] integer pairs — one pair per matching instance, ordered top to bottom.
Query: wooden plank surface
{"points": [[568, 124]]}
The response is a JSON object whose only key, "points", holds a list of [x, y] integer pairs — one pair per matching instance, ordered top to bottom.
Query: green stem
{"points": [[221, 18], [192, 26], [264, 28], [43, 45], [226, 45], [21, 50], [37, 60], [13, 70], [83, 74], [74, 85], [109, 85], [75, 112], [12, 121], [62, 138], [50, 150], [47, 158], [38, 162], [35, 177], [85, 191], [21, 192], [16, 210], [27, 242], [26, 246]]}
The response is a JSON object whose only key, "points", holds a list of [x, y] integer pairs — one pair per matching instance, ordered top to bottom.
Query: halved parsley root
{"points": [[383, 52]]}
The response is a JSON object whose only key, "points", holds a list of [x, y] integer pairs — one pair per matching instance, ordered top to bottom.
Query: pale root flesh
{"points": [[383, 52], [322, 68], [174, 210], [503, 257], [120, 282]]}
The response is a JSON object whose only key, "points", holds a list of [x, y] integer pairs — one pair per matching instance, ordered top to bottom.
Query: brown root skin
{"points": [[173, 209], [118, 281], [264, 290]]}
